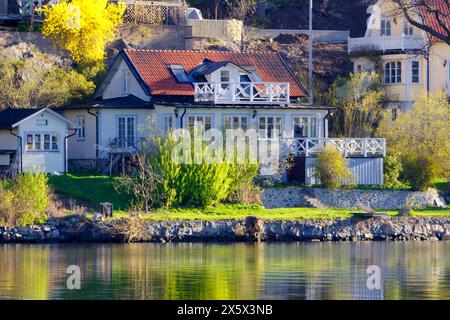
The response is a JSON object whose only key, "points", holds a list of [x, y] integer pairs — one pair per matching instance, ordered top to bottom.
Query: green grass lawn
{"points": [[90, 189], [94, 189], [237, 212]]}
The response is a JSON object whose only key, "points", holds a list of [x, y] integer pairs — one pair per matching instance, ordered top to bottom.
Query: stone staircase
{"points": [[311, 202]]}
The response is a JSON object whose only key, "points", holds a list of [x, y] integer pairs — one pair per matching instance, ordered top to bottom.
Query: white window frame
{"points": [[385, 26], [408, 28], [394, 71], [222, 72], [419, 75], [126, 81], [203, 116], [42, 122], [232, 122], [309, 125], [166, 126], [81, 132], [265, 134], [41, 136], [126, 136]]}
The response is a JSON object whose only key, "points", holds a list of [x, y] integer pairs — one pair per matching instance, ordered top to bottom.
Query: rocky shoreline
{"points": [[80, 230]]}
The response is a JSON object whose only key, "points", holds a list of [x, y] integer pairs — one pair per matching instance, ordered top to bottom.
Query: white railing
{"points": [[386, 43], [243, 92], [351, 147]]}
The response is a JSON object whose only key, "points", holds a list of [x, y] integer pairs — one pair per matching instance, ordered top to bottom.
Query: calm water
{"points": [[237, 271]]}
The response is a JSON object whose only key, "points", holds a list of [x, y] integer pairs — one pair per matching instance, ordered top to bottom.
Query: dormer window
{"points": [[386, 28], [408, 29], [179, 73], [224, 76], [245, 78]]}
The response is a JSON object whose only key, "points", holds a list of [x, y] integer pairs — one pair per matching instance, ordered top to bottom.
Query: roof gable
{"points": [[151, 67], [12, 118]]}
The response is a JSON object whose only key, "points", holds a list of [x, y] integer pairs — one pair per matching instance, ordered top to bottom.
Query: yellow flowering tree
{"points": [[83, 28]]}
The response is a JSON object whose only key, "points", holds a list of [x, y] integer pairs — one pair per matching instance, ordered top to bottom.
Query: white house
{"points": [[153, 91], [34, 140]]}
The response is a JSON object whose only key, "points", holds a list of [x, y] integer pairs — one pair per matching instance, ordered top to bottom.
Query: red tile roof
{"points": [[427, 13], [152, 67]]}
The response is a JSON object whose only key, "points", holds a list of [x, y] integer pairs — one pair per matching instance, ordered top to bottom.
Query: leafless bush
{"points": [[130, 229]]}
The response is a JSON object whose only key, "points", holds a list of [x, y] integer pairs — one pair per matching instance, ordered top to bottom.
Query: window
{"points": [[385, 28], [408, 29], [359, 68], [415, 71], [393, 72], [179, 73], [225, 76], [126, 81], [394, 114], [199, 120], [42, 122], [235, 122], [168, 123], [268, 125], [305, 127], [81, 132], [126, 134], [42, 142]]}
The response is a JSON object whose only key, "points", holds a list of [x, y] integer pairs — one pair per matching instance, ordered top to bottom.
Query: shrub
{"points": [[423, 130], [331, 167], [392, 169], [419, 170], [159, 181], [143, 183], [243, 189], [25, 201]]}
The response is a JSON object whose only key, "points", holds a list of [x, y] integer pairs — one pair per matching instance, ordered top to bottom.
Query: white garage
{"points": [[34, 140]]}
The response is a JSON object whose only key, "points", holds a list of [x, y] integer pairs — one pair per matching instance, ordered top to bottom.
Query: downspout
{"points": [[427, 56], [182, 116], [96, 132], [20, 145], [65, 148]]}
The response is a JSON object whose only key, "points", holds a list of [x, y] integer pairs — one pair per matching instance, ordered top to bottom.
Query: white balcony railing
{"points": [[386, 43], [243, 92], [351, 147]]}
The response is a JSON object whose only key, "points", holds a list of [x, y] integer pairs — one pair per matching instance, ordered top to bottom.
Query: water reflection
{"points": [[237, 271]]}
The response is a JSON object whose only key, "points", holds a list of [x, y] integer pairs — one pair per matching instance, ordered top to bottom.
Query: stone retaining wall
{"points": [[291, 197], [251, 229]]}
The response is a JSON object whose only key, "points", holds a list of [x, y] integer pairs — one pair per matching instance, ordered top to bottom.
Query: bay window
{"points": [[415, 71], [393, 72]]}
